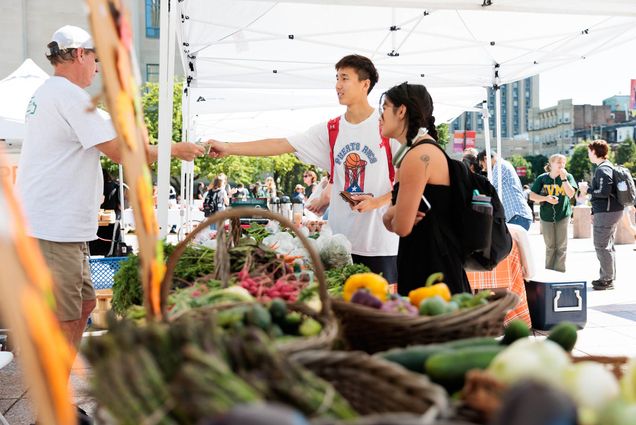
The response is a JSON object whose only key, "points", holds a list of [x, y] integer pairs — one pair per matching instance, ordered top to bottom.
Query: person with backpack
{"points": [[358, 160], [553, 190], [215, 199], [514, 201], [607, 211], [422, 212]]}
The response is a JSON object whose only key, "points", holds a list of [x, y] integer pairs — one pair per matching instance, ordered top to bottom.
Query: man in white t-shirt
{"points": [[361, 165], [59, 176]]}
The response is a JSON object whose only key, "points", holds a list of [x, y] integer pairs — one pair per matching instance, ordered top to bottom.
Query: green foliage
{"points": [[443, 135], [626, 152], [519, 161], [537, 162], [579, 164], [631, 165]]}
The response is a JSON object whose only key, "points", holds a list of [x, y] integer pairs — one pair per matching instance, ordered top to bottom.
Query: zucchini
{"points": [[565, 335], [414, 357], [448, 368]]}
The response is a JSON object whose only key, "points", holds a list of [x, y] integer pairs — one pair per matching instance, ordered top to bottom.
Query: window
{"points": [[153, 12], [152, 73]]}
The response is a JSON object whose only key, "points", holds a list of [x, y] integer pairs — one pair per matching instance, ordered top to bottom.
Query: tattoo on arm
{"points": [[426, 160]]}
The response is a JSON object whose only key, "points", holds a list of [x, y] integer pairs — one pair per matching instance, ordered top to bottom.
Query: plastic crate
{"points": [[103, 270]]}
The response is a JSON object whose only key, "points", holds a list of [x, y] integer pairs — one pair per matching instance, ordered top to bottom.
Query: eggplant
{"points": [[364, 297], [397, 304]]}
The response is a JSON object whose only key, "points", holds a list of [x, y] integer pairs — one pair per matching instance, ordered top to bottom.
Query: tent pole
{"points": [[166, 84], [497, 88], [485, 115], [122, 205]]}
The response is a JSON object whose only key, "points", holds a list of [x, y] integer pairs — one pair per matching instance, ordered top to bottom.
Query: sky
{"points": [[591, 80]]}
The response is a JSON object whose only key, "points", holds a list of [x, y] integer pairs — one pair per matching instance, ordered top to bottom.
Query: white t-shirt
{"points": [[360, 165], [59, 175]]}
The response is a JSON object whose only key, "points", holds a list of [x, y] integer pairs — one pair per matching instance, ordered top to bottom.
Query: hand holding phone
{"points": [[346, 196]]}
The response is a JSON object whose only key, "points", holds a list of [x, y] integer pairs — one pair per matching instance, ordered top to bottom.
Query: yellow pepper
{"points": [[374, 283], [431, 289]]}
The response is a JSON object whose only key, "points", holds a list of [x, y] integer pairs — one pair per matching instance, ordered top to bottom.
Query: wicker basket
{"points": [[372, 330], [329, 331], [373, 385], [483, 393]]}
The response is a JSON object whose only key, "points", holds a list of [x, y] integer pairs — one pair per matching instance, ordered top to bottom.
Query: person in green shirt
{"points": [[553, 190]]}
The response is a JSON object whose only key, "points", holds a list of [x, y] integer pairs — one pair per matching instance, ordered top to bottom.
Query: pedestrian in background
{"points": [[553, 190], [514, 201], [606, 213]]}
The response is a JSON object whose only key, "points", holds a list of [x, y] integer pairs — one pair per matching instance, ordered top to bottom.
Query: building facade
{"points": [[26, 27], [517, 99], [559, 128]]}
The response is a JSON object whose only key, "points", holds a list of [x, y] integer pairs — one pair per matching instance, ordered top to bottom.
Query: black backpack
{"points": [[212, 202], [483, 237]]}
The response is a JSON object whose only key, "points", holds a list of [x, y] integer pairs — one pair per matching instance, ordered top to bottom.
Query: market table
{"points": [[507, 275]]}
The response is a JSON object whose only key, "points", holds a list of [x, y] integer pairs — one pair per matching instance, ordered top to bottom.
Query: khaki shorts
{"points": [[72, 283]]}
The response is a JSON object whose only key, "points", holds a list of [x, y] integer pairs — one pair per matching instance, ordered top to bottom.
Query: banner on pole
{"points": [[632, 95], [463, 140]]}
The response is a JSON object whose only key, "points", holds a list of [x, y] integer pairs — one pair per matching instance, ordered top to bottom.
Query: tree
{"points": [[443, 135], [626, 152], [519, 161], [537, 162], [579, 164]]}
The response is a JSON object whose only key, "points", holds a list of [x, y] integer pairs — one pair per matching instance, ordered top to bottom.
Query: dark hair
{"points": [[363, 67], [419, 108], [599, 147], [481, 156], [471, 161]]}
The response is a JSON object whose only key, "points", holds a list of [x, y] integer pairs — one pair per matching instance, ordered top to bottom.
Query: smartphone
{"points": [[348, 198], [425, 206]]}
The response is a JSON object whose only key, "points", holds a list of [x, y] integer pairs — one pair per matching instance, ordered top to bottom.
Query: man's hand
{"points": [[217, 149], [186, 151], [366, 203], [317, 206]]}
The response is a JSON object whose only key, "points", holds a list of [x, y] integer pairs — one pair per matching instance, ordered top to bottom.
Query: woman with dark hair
{"points": [[422, 212]]}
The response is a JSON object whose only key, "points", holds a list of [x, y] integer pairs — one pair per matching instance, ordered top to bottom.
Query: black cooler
{"points": [[553, 298]]}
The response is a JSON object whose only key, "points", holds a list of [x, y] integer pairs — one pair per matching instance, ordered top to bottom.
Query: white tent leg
{"points": [[166, 84], [486, 119], [498, 135]]}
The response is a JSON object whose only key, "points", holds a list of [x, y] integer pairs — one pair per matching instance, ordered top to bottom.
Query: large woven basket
{"points": [[373, 330], [329, 332], [373, 385], [483, 393]]}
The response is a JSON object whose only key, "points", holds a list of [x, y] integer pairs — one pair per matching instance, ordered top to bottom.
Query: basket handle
{"points": [[224, 268]]}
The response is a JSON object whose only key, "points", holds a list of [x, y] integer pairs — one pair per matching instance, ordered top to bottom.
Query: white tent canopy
{"points": [[259, 52], [252, 55], [15, 92]]}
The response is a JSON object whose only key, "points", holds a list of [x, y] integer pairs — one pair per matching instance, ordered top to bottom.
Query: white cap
{"points": [[70, 37]]}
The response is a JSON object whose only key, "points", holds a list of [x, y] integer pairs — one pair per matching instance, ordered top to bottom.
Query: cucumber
{"points": [[278, 310], [257, 315], [515, 330], [565, 335], [478, 341], [414, 357], [448, 368]]}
